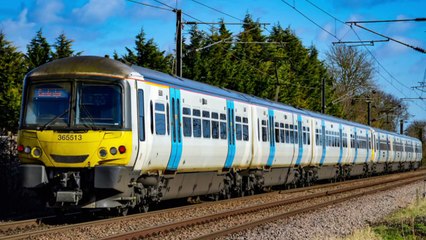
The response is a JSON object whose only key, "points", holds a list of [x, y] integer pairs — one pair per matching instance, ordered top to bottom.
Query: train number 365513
{"points": [[70, 137]]}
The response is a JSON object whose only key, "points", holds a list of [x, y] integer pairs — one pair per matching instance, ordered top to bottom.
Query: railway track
{"points": [[154, 224], [17, 225], [191, 225]]}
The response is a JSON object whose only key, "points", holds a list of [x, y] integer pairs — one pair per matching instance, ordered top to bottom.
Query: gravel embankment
{"points": [[339, 220]]}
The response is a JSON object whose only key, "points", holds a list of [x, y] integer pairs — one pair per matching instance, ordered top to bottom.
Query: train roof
{"points": [[82, 65], [191, 85], [195, 86]]}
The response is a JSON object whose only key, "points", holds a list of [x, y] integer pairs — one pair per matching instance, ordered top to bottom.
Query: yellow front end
{"points": [[78, 149]]}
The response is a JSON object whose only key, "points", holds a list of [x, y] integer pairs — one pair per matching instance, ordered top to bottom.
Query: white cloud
{"points": [[98, 10], [47, 11], [399, 27], [18, 31], [393, 49]]}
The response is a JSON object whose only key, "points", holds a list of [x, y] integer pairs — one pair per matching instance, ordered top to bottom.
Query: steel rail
{"points": [[214, 217], [10, 226], [244, 227]]}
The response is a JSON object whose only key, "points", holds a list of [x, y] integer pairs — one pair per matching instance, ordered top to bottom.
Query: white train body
{"points": [[191, 139]]}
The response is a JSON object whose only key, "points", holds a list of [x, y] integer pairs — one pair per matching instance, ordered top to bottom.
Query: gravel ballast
{"points": [[339, 220]]}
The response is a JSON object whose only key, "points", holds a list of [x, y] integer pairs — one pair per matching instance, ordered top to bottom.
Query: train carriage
{"points": [[96, 133]]}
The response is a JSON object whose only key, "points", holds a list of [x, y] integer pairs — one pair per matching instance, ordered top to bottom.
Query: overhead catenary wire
{"points": [[149, 5], [172, 8], [214, 9], [312, 21], [222, 41], [375, 59]]}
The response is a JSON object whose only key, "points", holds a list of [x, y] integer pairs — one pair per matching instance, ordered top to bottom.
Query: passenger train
{"points": [[96, 133]]}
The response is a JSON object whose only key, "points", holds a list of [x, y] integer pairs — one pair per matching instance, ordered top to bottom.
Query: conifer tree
{"points": [[63, 47], [38, 51], [147, 54], [192, 58], [217, 58], [12, 71]]}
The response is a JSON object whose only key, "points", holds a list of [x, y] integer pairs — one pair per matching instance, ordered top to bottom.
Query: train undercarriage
{"points": [[120, 189]]}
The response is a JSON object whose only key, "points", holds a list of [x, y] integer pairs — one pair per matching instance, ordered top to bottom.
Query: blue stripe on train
{"points": [[299, 131], [176, 134], [231, 135], [271, 138], [340, 144], [356, 145], [324, 149]]}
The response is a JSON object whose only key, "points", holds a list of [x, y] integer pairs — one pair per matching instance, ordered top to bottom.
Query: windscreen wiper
{"points": [[53, 120], [92, 124]]}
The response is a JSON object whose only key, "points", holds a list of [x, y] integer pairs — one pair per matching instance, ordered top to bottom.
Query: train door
{"points": [[139, 123], [271, 127], [175, 130], [231, 135], [260, 135], [298, 136], [322, 143], [368, 145], [317, 151], [346, 152]]}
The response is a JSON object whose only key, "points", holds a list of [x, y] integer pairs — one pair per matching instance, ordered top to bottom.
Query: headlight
{"points": [[27, 149], [113, 150], [36, 152], [102, 153]]}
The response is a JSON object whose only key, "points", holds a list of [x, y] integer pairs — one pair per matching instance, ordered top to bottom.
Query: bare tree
{"points": [[352, 69], [353, 72]]}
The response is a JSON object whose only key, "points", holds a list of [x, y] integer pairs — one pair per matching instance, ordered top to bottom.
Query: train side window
{"points": [[151, 108], [141, 109], [186, 111], [196, 112], [223, 116], [168, 118], [160, 119], [196, 123], [187, 124], [206, 124], [215, 125], [215, 129], [245, 129], [187, 130], [258, 130], [264, 131], [223, 132], [239, 132], [245, 132], [277, 132], [282, 135], [296, 135], [287, 136], [309, 138], [304, 140], [317, 143]]}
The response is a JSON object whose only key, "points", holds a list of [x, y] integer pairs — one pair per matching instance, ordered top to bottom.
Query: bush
{"points": [[9, 179]]}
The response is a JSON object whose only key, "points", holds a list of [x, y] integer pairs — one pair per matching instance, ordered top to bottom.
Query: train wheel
{"points": [[143, 208], [123, 211]]}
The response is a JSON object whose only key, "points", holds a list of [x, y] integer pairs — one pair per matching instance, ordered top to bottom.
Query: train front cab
{"points": [[75, 138]]}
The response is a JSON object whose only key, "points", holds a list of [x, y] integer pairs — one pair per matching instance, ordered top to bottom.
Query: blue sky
{"points": [[99, 27]]}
